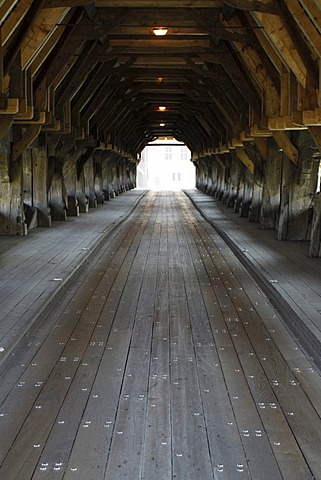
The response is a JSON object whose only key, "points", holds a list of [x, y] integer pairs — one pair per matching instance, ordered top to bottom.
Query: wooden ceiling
{"points": [[94, 72]]}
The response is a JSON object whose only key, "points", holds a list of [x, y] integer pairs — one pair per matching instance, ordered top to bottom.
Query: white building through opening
{"points": [[166, 165]]}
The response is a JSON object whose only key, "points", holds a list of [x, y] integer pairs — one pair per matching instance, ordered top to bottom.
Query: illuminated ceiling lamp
{"points": [[160, 31], [162, 108], [162, 124]]}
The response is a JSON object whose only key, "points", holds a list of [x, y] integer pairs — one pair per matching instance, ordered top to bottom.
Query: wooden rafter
{"points": [[265, 5], [279, 36], [298, 40], [226, 70]]}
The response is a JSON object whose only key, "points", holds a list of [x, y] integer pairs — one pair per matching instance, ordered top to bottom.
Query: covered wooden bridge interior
{"points": [[82, 82], [160, 335]]}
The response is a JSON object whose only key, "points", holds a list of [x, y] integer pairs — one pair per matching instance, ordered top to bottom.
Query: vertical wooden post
{"points": [[1, 65], [319, 90], [285, 92], [40, 172], [90, 182], [315, 243]]}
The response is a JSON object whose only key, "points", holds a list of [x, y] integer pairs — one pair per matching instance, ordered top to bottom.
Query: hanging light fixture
{"points": [[160, 31], [161, 108]]}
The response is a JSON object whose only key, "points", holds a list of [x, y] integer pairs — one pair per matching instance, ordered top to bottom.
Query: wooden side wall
{"points": [[43, 185], [278, 194]]}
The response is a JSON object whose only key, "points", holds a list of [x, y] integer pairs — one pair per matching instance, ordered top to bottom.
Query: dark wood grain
{"points": [[164, 360]]}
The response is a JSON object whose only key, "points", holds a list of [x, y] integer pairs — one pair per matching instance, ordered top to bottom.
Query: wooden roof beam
{"points": [[263, 6], [306, 24], [217, 30], [21, 33], [42, 35], [278, 36], [298, 40], [157, 44], [61, 54], [36, 59], [263, 61], [233, 70], [161, 72], [76, 75], [93, 86], [221, 100], [95, 105], [109, 110], [118, 110], [316, 135], [287, 146], [245, 159]]}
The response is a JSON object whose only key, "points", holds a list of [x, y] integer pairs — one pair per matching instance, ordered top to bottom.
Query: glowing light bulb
{"points": [[160, 31]]}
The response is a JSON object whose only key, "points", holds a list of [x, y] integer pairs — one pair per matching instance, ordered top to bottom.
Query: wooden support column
{"points": [[2, 87], [319, 89], [255, 151], [40, 173], [221, 174], [115, 175], [70, 177], [98, 177], [90, 182], [297, 183], [85, 185], [108, 187], [271, 187], [247, 193], [57, 195], [82, 199], [11, 202], [256, 202], [30, 212], [283, 218], [315, 243]]}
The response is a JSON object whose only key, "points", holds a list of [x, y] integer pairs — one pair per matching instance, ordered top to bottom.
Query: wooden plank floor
{"points": [[286, 265], [35, 268], [162, 361]]}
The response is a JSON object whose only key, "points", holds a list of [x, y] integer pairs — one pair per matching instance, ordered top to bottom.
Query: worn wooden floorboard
{"points": [[285, 264], [33, 268], [242, 307], [250, 333], [260, 333], [66, 357], [163, 361], [101, 408], [255, 443], [126, 450], [191, 453], [227, 454], [156, 462], [285, 465]]}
